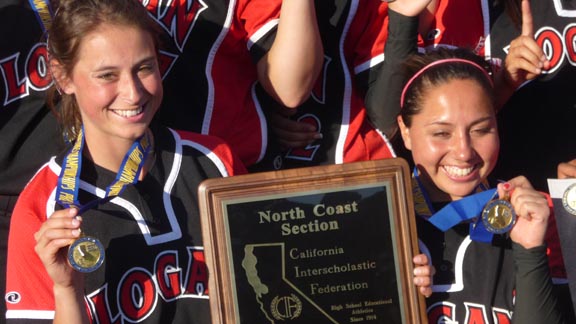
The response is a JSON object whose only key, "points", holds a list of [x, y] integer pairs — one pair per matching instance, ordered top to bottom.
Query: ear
{"points": [[61, 79], [405, 132]]}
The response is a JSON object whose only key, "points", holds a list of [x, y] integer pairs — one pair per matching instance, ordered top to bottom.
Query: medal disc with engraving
{"points": [[569, 199], [498, 216], [86, 254]]}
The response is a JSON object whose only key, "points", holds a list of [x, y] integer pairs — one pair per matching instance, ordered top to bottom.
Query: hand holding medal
{"points": [[532, 212], [52, 241], [86, 254]]}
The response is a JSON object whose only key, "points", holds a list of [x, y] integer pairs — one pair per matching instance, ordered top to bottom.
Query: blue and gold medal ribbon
{"points": [[43, 12], [131, 166], [69, 178], [68, 181], [455, 212]]}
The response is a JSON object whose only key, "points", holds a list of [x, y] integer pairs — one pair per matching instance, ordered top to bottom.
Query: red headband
{"points": [[448, 60]]}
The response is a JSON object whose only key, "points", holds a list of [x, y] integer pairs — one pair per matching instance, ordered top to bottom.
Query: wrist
{"points": [[66, 291]]}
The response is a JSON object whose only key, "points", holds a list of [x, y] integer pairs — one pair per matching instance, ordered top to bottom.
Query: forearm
{"points": [[290, 68], [383, 96], [535, 299], [69, 306]]}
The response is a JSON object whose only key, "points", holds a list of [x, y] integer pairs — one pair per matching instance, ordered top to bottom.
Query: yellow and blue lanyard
{"points": [[43, 11], [69, 178]]}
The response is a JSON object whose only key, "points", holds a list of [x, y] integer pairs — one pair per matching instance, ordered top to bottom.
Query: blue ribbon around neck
{"points": [[69, 178], [463, 210]]}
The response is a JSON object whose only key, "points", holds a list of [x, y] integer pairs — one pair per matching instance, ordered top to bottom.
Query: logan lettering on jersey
{"points": [[176, 17], [557, 46], [166, 61], [35, 73], [140, 290], [445, 312], [475, 313]]}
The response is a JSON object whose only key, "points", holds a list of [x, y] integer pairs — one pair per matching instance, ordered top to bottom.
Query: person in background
{"points": [[219, 57], [331, 126], [29, 132], [567, 169], [125, 185]]}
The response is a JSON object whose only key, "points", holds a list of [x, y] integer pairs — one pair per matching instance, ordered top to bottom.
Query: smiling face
{"points": [[116, 83], [454, 139]]}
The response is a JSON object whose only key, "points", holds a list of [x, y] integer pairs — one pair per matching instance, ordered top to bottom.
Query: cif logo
{"points": [[286, 307]]}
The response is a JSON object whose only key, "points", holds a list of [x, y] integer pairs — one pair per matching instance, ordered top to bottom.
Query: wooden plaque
{"points": [[330, 244]]}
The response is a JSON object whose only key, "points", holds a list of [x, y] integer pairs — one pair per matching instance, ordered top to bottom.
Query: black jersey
{"points": [[208, 63], [537, 123], [29, 133], [154, 270], [487, 282]]}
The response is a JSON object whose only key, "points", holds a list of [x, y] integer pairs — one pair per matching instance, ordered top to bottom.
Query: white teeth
{"points": [[129, 113], [458, 172]]}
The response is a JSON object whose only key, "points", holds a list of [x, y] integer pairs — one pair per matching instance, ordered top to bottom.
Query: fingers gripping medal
{"points": [[498, 215], [86, 254]]}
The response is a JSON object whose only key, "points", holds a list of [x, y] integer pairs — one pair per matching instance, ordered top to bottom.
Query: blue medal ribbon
{"points": [[43, 12], [69, 178], [457, 211]]}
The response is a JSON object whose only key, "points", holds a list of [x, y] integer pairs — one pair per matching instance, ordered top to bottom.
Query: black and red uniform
{"points": [[353, 35], [208, 63], [541, 110], [537, 122], [29, 133], [154, 270], [475, 282], [479, 282]]}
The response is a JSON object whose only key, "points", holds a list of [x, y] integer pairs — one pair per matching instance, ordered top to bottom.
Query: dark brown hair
{"points": [[74, 19], [441, 74]]}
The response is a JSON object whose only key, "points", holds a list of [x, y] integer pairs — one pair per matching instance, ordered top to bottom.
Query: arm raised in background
{"points": [[525, 60], [290, 68], [383, 96]]}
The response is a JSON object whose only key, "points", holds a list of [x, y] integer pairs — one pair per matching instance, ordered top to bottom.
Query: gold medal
{"points": [[569, 199], [498, 216], [86, 254]]}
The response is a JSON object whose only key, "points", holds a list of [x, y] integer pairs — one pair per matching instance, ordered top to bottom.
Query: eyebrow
{"points": [[145, 60], [444, 123]]}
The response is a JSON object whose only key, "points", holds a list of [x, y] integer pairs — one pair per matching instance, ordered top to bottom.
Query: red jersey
{"points": [[451, 17], [353, 35], [209, 55]]}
